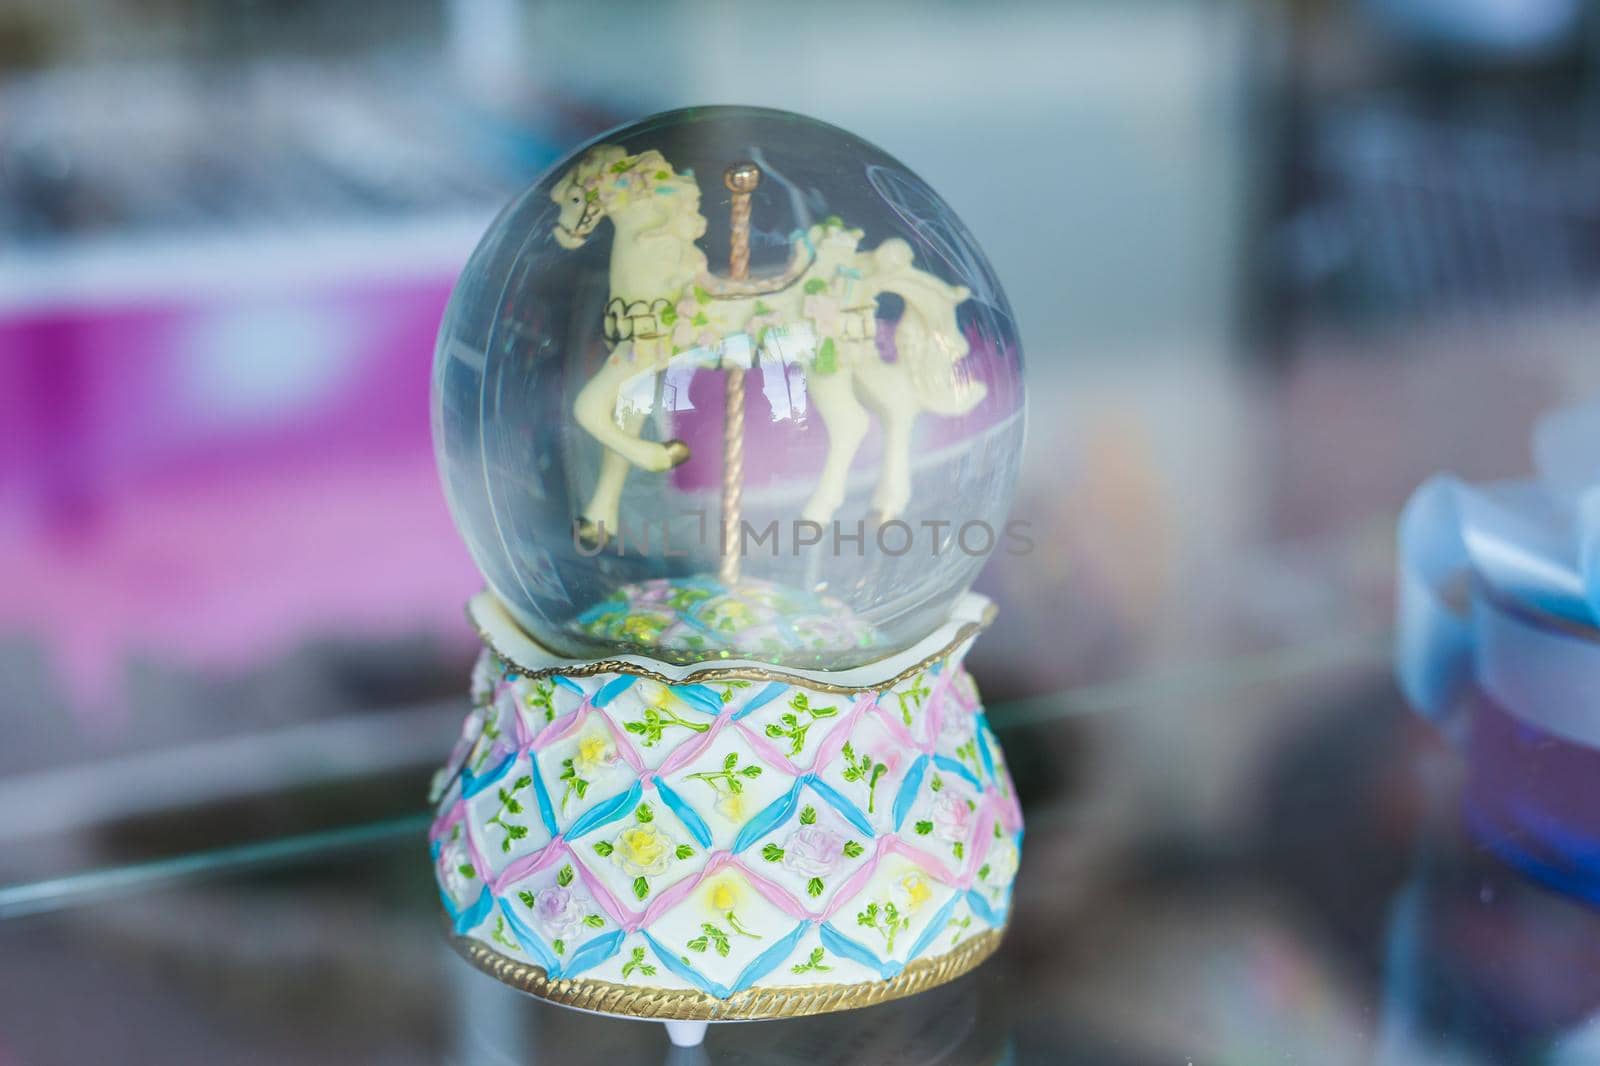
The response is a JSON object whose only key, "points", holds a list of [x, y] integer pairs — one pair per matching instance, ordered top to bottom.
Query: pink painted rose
{"points": [[685, 333], [956, 726], [952, 818], [813, 851], [453, 875], [559, 910]]}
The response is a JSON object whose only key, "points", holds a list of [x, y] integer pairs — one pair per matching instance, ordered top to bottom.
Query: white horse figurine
{"points": [[667, 314]]}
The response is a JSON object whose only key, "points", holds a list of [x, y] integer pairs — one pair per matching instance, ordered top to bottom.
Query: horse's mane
{"points": [[617, 178]]}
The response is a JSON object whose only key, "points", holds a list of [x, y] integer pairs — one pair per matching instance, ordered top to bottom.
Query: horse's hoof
{"points": [[677, 453], [592, 536]]}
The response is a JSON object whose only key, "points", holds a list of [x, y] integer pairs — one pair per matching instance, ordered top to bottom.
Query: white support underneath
{"points": [[686, 1034]]}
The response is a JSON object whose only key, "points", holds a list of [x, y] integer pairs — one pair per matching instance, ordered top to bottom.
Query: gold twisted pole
{"points": [[741, 180]]}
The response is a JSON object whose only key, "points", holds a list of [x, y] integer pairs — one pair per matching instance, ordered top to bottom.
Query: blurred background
{"points": [[1274, 263]]}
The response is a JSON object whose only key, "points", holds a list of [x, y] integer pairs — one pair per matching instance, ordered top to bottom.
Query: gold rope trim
{"points": [[731, 673], [687, 1004]]}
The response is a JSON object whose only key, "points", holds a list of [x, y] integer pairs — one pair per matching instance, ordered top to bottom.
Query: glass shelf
{"points": [[1304, 919]]}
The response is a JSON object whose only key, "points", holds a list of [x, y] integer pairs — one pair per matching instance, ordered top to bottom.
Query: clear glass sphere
{"points": [[729, 383]]}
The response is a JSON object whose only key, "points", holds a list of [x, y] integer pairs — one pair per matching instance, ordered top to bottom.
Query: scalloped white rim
{"points": [[507, 638]]}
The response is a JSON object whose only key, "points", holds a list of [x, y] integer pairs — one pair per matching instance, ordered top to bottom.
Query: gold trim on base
{"points": [[687, 1004]]}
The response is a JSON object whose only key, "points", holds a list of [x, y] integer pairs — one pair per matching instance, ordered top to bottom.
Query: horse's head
{"points": [[579, 195]]}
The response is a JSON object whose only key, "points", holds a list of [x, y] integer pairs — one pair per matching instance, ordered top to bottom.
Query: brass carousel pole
{"points": [[741, 180]]}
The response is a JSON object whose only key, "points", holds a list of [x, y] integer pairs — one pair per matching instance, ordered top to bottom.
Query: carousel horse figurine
{"points": [[668, 314]]}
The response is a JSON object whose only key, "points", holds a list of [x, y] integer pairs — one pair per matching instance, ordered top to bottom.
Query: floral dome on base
{"points": [[686, 620]]}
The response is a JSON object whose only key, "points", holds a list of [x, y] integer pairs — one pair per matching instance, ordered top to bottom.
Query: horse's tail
{"points": [[928, 341]]}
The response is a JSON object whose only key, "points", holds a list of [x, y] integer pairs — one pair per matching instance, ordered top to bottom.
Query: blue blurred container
{"points": [[1499, 641]]}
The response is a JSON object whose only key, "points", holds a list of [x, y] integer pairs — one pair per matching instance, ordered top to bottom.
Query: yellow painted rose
{"points": [[731, 615], [644, 629], [654, 693], [595, 752], [731, 806], [644, 849], [914, 889], [724, 895]]}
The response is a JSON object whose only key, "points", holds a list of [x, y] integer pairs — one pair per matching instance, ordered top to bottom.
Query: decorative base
{"points": [[725, 841], [777, 1001]]}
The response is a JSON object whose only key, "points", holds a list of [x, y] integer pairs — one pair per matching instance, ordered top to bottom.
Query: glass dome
{"points": [[729, 383]]}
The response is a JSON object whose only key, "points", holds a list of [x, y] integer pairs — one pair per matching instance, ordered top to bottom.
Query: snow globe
{"points": [[729, 410]]}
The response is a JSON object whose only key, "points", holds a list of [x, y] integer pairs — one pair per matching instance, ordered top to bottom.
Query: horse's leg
{"points": [[889, 394], [834, 396], [596, 410], [599, 521]]}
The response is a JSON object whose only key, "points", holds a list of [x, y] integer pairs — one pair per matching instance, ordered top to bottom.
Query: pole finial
{"points": [[742, 177]]}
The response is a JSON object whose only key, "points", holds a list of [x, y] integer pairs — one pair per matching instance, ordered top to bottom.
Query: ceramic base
{"points": [[732, 841]]}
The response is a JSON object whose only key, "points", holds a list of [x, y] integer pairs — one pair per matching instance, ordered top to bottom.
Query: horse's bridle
{"points": [[593, 211]]}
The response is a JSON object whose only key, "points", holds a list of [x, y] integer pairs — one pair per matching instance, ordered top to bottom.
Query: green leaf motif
{"points": [[815, 286], [827, 357], [865, 769], [728, 777], [576, 784], [644, 813], [808, 815], [924, 828], [602, 848], [852, 849], [684, 851], [772, 853], [466, 870], [564, 877], [641, 887], [814, 887], [527, 898], [887, 920], [594, 921], [499, 934], [711, 937], [560, 946], [636, 962], [813, 962]]}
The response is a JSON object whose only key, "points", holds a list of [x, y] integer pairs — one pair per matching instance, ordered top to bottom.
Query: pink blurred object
{"points": [[211, 480]]}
